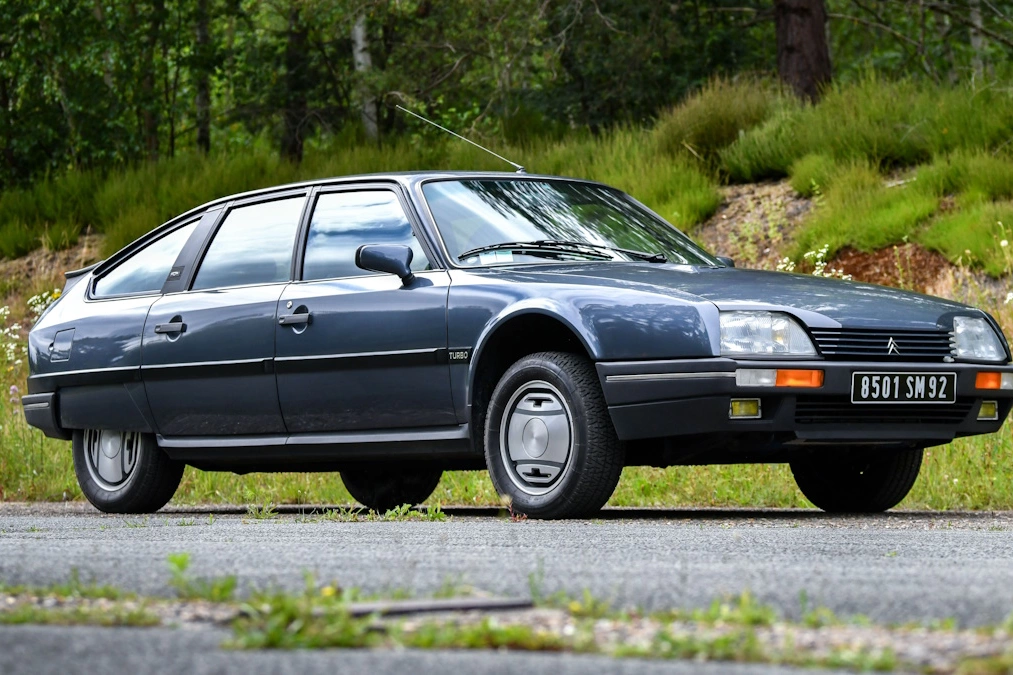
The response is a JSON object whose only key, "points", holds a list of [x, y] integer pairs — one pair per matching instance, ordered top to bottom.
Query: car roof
{"points": [[405, 178]]}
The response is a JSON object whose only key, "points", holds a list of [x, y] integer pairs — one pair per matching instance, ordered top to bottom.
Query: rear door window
{"points": [[344, 221], [252, 246], [146, 270]]}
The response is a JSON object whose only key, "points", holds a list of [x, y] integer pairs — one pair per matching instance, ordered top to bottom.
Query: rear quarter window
{"points": [[146, 270]]}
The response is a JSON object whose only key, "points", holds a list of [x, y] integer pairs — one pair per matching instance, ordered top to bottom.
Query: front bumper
{"points": [[665, 399]]}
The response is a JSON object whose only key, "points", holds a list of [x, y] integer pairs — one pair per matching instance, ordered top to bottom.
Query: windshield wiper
{"points": [[563, 245], [545, 246], [642, 255]]}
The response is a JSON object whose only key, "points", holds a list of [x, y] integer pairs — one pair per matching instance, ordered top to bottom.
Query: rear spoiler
{"points": [[74, 276]]}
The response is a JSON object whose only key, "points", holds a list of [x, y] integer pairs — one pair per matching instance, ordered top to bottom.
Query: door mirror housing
{"points": [[389, 258], [726, 261]]}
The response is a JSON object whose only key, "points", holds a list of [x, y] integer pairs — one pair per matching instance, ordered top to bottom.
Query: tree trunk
{"points": [[977, 39], [803, 59], [363, 64], [203, 79], [150, 104], [295, 111]]}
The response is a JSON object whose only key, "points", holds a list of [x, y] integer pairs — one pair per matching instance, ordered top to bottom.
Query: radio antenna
{"points": [[520, 169]]}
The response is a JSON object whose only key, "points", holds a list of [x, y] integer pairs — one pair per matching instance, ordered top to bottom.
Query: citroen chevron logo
{"points": [[891, 347]]}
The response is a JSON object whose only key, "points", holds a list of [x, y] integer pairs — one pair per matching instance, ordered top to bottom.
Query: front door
{"points": [[208, 353], [373, 354]]}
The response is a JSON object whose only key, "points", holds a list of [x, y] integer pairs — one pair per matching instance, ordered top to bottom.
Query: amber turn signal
{"points": [[799, 378], [987, 380]]}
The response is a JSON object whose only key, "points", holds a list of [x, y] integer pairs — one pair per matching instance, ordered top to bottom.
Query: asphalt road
{"points": [[896, 567]]}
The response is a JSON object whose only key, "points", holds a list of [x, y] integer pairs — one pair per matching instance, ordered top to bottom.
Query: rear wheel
{"points": [[550, 445], [124, 471], [858, 483], [382, 489]]}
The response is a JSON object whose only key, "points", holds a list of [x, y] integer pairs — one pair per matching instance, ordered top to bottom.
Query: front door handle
{"points": [[303, 319], [172, 328]]}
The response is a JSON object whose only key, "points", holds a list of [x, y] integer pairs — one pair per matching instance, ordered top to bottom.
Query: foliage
{"points": [[716, 116], [887, 123], [812, 174], [856, 198]]}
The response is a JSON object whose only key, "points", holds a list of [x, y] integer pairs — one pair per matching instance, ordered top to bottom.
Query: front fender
{"points": [[613, 324]]}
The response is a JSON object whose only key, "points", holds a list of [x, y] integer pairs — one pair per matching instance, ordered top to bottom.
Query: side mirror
{"points": [[389, 258], [725, 260]]}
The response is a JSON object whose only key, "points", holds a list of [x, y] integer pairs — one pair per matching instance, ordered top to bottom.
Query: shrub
{"points": [[716, 116], [887, 123], [812, 174], [979, 176]]}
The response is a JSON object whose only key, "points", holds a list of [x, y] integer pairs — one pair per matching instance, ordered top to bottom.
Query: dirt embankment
{"points": [[756, 226]]}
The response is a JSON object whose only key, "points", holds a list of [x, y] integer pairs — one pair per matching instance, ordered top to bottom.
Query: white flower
{"points": [[1004, 243], [1009, 297]]}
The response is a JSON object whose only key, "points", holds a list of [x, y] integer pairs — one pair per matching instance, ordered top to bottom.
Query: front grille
{"points": [[874, 344], [840, 410]]}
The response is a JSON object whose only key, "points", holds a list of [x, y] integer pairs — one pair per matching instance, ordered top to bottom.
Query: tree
{"points": [[803, 59], [363, 64], [202, 68], [295, 110]]}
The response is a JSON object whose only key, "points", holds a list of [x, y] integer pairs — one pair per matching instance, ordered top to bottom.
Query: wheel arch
{"points": [[512, 337]]}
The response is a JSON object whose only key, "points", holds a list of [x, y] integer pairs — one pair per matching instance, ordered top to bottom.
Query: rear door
{"points": [[91, 343], [208, 352], [373, 354]]}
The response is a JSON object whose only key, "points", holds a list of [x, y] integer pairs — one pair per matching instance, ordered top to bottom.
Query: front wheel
{"points": [[550, 445], [124, 471], [860, 483], [381, 489]]}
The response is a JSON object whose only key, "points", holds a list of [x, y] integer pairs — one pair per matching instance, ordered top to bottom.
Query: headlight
{"points": [[773, 333], [974, 339]]}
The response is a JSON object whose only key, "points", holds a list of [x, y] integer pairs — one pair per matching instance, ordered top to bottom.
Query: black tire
{"points": [[546, 387], [148, 478], [858, 483], [381, 489]]}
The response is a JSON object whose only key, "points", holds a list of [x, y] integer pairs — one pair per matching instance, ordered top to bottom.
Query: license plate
{"points": [[904, 388]]}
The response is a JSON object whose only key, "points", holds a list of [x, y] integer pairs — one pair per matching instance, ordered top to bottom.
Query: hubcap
{"points": [[536, 437], [111, 456]]}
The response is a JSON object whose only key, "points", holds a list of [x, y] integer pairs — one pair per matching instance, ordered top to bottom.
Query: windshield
{"points": [[554, 217]]}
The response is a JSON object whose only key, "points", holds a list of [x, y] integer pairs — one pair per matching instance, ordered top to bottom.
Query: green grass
{"points": [[890, 124], [856, 197], [960, 205], [220, 589], [78, 616]]}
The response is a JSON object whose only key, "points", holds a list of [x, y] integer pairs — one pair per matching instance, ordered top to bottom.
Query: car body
{"points": [[394, 326]]}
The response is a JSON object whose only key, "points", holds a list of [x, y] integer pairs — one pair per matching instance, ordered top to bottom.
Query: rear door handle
{"points": [[303, 319], [174, 327]]}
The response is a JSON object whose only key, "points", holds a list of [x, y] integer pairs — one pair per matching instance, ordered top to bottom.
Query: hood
{"points": [[847, 303]]}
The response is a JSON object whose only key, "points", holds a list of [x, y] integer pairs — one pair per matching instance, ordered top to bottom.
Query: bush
{"points": [[716, 116], [889, 124], [811, 174], [976, 176], [17, 239]]}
